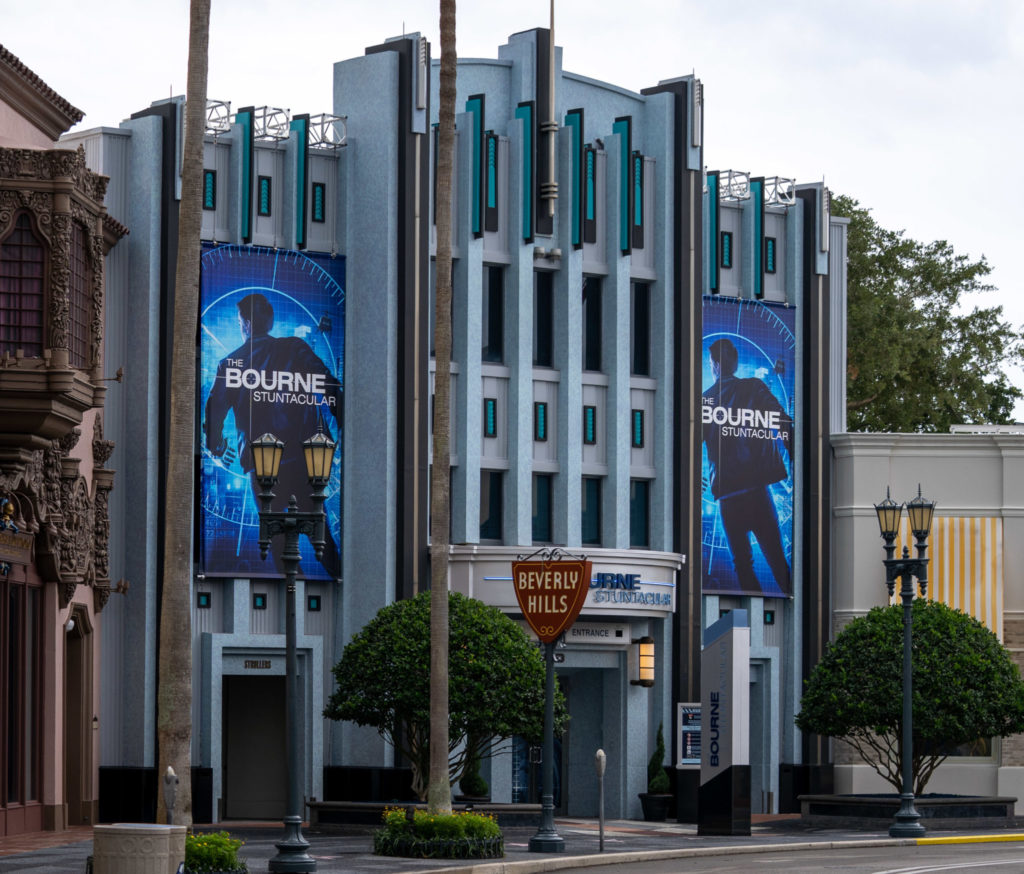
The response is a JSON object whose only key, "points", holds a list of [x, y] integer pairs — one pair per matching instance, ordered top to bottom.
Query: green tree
{"points": [[919, 358], [966, 687], [496, 688], [174, 698], [439, 795]]}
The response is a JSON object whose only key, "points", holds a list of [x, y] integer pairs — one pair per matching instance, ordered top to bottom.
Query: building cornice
{"points": [[31, 97]]}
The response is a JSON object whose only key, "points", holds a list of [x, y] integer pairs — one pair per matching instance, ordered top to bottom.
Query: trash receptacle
{"points": [[138, 848]]}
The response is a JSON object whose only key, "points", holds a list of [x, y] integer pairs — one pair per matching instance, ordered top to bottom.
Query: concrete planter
{"points": [[655, 806], [138, 848]]}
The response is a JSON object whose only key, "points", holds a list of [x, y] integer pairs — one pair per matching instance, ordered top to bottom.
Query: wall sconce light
{"points": [[643, 650]]}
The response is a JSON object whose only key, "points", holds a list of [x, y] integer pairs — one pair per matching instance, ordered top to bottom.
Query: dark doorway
{"points": [[78, 741], [255, 769], [527, 776]]}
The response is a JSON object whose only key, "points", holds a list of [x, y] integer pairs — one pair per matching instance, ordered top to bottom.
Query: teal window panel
{"points": [[475, 107], [524, 112], [492, 172], [209, 189], [263, 195], [319, 205], [726, 249], [769, 254], [490, 417], [540, 421], [589, 424], [638, 429]]}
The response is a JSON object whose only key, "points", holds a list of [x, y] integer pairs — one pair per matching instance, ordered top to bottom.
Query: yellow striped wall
{"points": [[965, 570]]}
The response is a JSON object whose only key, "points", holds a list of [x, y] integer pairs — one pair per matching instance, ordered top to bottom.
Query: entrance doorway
{"points": [[78, 712], [255, 768], [527, 776], [761, 800]]}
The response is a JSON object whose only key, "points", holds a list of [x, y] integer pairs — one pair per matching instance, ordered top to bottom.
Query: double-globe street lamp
{"points": [[906, 823], [292, 855]]}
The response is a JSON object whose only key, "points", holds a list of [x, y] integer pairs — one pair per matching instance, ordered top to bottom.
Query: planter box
{"points": [[877, 811]]}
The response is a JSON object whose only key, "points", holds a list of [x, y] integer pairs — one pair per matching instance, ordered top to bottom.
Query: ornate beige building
{"points": [[54, 485]]}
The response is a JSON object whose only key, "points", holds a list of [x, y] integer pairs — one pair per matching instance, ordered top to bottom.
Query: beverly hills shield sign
{"points": [[551, 594]]}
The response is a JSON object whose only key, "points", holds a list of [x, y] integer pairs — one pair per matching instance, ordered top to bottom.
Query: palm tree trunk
{"points": [[174, 699], [439, 795]]}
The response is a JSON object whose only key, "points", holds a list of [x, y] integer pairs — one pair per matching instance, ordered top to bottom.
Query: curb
{"points": [[562, 863]]}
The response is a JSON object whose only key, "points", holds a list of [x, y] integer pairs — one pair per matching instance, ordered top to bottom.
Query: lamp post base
{"points": [[907, 822], [551, 842], [292, 856]]}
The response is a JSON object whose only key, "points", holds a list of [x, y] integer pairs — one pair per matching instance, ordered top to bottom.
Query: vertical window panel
{"points": [[209, 189], [263, 195], [319, 208], [21, 291], [80, 314], [493, 317], [543, 319], [591, 323], [640, 333], [490, 417], [540, 421], [590, 425], [638, 429], [590, 503], [490, 504], [542, 508], [639, 514]]}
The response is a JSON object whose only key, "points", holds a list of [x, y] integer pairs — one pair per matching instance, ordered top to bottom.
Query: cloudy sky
{"points": [[914, 107]]}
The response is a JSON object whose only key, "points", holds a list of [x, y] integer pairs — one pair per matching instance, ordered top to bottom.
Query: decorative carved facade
{"points": [[43, 398]]}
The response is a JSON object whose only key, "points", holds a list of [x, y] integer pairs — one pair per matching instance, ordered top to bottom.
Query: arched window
{"points": [[21, 291], [81, 300]]}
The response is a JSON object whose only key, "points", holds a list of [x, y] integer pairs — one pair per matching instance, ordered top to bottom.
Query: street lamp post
{"points": [[906, 823], [292, 855]]}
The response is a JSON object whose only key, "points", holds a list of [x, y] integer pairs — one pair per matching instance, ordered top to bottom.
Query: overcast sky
{"points": [[913, 107]]}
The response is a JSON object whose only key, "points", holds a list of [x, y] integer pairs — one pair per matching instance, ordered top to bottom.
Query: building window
{"points": [[209, 189], [263, 195], [319, 202], [726, 249], [769, 254], [21, 291], [80, 311], [492, 319], [543, 319], [591, 323], [640, 333], [490, 417], [540, 421], [590, 425], [637, 429], [590, 503], [490, 504], [542, 507], [639, 513], [204, 600], [259, 600], [313, 603]]}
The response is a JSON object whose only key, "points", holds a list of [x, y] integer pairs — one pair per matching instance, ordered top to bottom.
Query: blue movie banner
{"points": [[271, 361], [747, 424]]}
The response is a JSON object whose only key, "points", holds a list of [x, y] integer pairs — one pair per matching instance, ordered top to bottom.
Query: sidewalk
{"points": [[349, 849]]}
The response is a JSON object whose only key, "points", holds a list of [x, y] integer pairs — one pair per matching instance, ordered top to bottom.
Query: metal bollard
{"points": [[599, 763]]}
